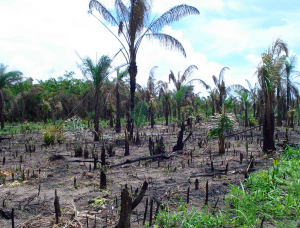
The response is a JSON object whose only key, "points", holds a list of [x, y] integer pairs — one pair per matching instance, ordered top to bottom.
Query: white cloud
{"points": [[40, 39]]}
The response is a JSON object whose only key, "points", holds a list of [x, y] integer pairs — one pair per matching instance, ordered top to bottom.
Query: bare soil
{"points": [[53, 167]]}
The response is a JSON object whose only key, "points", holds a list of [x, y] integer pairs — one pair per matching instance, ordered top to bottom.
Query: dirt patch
{"points": [[77, 180]]}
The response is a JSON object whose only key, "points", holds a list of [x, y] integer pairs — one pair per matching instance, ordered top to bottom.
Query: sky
{"points": [[40, 37]]}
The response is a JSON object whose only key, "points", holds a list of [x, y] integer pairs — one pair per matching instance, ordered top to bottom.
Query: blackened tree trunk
{"points": [[132, 72], [279, 108], [213, 109], [1, 110], [118, 110], [178, 111], [167, 115], [246, 115], [151, 116], [96, 117], [111, 121], [268, 126], [126, 202]]}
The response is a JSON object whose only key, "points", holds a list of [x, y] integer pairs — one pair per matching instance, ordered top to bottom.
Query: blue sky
{"points": [[40, 37]]}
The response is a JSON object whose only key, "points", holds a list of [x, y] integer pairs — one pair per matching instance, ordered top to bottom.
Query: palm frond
{"points": [[121, 11], [103, 12], [172, 15], [167, 42], [152, 72], [188, 72], [221, 75], [172, 78], [216, 81], [201, 82]]}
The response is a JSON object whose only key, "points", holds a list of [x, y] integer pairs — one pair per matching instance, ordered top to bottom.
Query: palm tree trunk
{"points": [[132, 72], [287, 94], [118, 107], [1, 110], [178, 111], [167, 113], [246, 115], [151, 116], [96, 117], [279, 120], [268, 125]]}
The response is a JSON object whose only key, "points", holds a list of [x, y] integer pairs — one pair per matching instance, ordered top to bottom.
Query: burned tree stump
{"points": [[160, 147], [103, 156], [102, 180], [125, 213]]}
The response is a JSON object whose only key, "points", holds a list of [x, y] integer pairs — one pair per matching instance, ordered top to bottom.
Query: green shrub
{"points": [[252, 122], [49, 136]]}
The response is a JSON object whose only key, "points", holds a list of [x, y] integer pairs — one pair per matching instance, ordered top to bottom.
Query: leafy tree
{"points": [[132, 22], [97, 72], [268, 74], [289, 76], [6, 80], [118, 85], [183, 85], [220, 89], [165, 94], [245, 99], [139, 116], [223, 123]]}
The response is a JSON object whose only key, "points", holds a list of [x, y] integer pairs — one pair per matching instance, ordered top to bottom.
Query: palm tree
{"points": [[133, 24], [97, 73], [268, 74], [289, 76], [6, 80], [183, 84], [118, 85], [220, 88], [151, 91], [165, 94], [244, 97], [214, 99]]}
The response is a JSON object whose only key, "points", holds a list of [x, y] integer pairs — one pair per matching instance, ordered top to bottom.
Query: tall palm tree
{"points": [[132, 22], [97, 72], [268, 74], [6, 80], [183, 84], [118, 85], [220, 88]]}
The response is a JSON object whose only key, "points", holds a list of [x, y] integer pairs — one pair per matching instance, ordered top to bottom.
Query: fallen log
{"points": [[243, 131], [165, 156], [160, 204]]}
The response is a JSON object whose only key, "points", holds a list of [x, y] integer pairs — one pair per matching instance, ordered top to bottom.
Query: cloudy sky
{"points": [[40, 37]]}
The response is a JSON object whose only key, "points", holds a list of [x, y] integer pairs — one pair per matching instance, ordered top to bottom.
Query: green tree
{"points": [[132, 22], [97, 72], [268, 74], [289, 76], [6, 80], [118, 85], [183, 85], [220, 89], [165, 95], [245, 99], [139, 116], [223, 123]]}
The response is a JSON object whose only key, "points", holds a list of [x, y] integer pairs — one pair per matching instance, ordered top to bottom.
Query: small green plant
{"points": [[252, 122], [49, 136]]}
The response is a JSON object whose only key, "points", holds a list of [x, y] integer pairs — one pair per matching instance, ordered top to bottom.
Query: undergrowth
{"points": [[267, 198]]}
